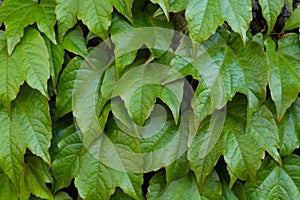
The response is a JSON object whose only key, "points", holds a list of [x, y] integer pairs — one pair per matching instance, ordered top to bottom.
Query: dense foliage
{"points": [[237, 137]]}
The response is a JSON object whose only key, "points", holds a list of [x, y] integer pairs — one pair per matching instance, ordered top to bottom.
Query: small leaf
{"points": [[164, 4], [271, 9], [293, 21], [75, 42], [284, 75]]}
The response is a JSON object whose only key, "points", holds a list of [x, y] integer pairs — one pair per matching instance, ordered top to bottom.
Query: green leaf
{"points": [[164, 4], [124, 7], [271, 9], [18, 14], [205, 16], [293, 21], [75, 42], [56, 59], [28, 62], [223, 67], [284, 77], [65, 87], [139, 94], [28, 125], [289, 129], [243, 158], [66, 162], [179, 168], [33, 179], [96, 180], [275, 182], [183, 188], [8, 190], [119, 194], [62, 196]]}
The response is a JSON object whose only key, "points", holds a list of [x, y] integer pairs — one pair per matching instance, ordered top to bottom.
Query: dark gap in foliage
{"points": [[282, 18], [258, 23], [297, 151], [147, 178], [71, 190]]}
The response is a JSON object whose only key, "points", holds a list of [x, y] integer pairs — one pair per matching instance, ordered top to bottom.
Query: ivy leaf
{"points": [[271, 9], [18, 14], [205, 16], [293, 21], [75, 42], [56, 59], [28, 62], [223, 67], [284, 75], [65, 87], [139, 99], [29, 125], [289, 129], [243, 158], [66, 161], [33, 179], [275, 181], [183, 188]]}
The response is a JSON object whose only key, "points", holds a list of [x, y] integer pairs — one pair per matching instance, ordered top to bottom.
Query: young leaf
{"points": [[271, 9], [18, 14], [205, 16], [293, 21], [284, 77], [275, 181]]}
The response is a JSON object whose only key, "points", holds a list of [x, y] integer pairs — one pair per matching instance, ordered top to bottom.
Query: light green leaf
{"points": [[165, 6], [124, 7], [271, 9], [66, 12], [18, 14], [205, 16], [293, 21], [75, 42], [30, 62], [284, 77], [65, 87], [28, 125], [289, 129], [66, 161], [179, 168], [33, 179], [275, 182], [183, 188], [119, 194], [62, 196]]}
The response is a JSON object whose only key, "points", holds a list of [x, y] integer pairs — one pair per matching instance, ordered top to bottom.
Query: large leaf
{"points": [[271, 9], [17, 14], [205, 16], [28, 62], [223, 67], [284, 75], [28, 125], [66, 162], [275, 182], [183, 188]]}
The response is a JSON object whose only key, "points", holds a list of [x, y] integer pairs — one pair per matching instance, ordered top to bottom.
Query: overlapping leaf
{"points": [[18, 14], [205, 16], [29, 63], [284, 78], [28, 125], [275, 182]]}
